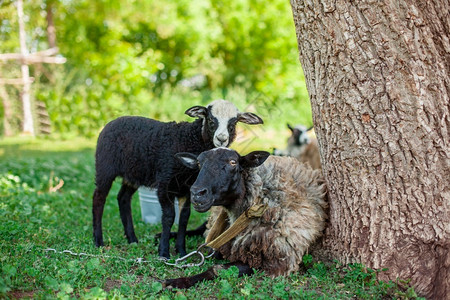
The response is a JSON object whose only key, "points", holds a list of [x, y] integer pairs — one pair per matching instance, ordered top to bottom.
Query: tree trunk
{"points": [[51, 32], [378, 77], [7, 111]]}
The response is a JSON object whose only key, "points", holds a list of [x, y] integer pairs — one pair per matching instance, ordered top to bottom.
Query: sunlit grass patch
{"points": [[25, 146]]}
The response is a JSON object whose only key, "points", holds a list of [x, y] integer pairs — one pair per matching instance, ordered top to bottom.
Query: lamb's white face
{"points": [[224, 115], [219, 121]]}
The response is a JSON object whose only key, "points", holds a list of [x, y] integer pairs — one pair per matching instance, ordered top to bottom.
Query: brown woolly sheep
{"points": [[302, 147], [294, 218]]}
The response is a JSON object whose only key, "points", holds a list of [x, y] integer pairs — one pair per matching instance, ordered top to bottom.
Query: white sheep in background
{"points": [[302, 146]]}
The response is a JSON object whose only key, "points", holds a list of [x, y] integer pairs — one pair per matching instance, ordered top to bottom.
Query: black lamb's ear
{"points": [[196, 112], [249, 118], [290, 127], [188, 159], [253, 159]]}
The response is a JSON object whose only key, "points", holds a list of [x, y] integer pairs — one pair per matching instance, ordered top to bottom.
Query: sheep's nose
{"points": [[222, 138], [198, 192]]}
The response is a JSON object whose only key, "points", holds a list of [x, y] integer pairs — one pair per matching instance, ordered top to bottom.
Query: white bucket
{"points": [[150, 207]]}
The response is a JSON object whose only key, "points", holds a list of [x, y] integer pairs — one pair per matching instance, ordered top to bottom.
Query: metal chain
{"points": [[138, 260], [178, 261]]}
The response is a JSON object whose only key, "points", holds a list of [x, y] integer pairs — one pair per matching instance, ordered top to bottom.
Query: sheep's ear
{"points": [[196, 112], [249, 118], [290, 127], [310, 128], [188, 159], [253, 159]]}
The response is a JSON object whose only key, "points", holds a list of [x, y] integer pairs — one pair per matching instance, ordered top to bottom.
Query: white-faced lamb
{"points": [[301, 146], [142, 152], [295, 215]]}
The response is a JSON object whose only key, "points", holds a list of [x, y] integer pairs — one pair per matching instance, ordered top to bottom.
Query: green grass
{"points": [[33, 219]]}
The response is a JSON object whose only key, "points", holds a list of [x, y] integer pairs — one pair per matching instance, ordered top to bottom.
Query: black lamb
{"points": [[142, 152]]}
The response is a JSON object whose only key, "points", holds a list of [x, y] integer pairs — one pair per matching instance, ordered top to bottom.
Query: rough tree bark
{"points": [[378, 77]]}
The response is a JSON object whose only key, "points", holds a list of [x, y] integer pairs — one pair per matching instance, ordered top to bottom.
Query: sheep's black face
{"points": [[220, 119], [219, 181]]}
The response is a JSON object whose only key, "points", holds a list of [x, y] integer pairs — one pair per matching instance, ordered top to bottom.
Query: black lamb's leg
{"points": [[124, 198], [98, 204], [185, 212], [167, 219], [199, 231], [210, 274]]}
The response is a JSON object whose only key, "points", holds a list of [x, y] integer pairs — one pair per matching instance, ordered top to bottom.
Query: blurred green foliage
{"points": [[157, 58]]}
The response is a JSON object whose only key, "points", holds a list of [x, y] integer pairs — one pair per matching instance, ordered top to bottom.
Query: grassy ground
{"points": [[37, 214]]}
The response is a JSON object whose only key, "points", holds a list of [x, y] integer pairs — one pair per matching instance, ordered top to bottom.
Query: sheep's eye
{"points": [[231, 124], [233, 163]]}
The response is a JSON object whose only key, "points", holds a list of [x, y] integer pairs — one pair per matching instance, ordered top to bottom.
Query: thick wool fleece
{"points": [[276, 242]]}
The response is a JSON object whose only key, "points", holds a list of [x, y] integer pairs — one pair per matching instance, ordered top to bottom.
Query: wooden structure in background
{"points": [[25, 58]]}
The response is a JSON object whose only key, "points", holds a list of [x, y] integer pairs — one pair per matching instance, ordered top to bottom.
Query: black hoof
{"points": [[130, 241], [99, 243], [164, 256], [179, 283]]}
